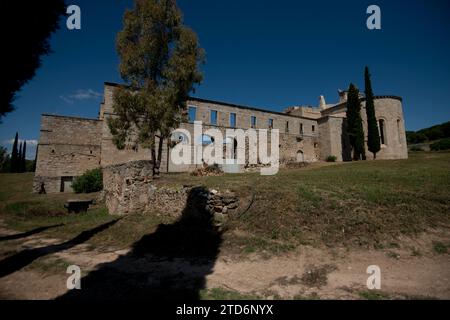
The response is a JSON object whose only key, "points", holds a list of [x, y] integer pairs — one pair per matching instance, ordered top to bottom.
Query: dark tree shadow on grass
{"points": [[28, 233], [22, 259], [171, 263]]}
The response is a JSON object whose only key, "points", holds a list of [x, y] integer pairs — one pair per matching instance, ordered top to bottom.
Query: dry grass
{"points": [[367, 203]]}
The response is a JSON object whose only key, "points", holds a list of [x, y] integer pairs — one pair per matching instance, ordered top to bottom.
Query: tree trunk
{"points": [[156, 156], [153, 159], [157, 166], [155, 172]]}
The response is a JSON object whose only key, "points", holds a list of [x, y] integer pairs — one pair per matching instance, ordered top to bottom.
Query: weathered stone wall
{"points": [[304, 111], [391, 111], [300, 135], [332, 139], [68, 146], [110, 154], [129, 188]]}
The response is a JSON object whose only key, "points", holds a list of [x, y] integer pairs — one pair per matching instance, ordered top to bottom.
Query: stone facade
{"points": [[388, 111], [69, 146]]}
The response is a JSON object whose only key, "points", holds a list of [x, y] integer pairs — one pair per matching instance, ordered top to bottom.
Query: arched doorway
{"points": [[300, 156]]}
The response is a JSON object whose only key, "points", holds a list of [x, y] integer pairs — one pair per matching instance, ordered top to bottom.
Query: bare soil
{"points": [[410, 269]]}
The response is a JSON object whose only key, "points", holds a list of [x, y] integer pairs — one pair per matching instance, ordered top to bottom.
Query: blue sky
{"points": [[268, 54]]}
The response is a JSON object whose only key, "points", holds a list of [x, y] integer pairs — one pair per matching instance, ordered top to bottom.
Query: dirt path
{"points": [[306, 273]]}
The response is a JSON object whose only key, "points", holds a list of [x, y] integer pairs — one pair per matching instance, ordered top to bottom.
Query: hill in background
{"points": [[435, 138]]}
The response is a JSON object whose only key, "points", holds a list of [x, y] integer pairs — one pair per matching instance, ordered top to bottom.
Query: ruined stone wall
{"points": [[68, 146], [129, 188]]}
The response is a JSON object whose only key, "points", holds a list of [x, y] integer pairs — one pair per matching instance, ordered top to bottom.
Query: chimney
{"points": [[342, 95], [322, 103]]}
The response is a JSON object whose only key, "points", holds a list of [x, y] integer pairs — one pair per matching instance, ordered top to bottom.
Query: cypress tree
{"points": [[354, 123], [373, 135], [15, 154], [19, 159], [23, 162]]}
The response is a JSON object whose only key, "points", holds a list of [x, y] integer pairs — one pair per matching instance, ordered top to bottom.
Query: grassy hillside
{"points": [[434, 133], [355, 204]]}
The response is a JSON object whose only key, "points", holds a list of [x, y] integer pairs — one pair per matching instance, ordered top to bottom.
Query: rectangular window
{"points": [[192, 114], [213, 119], [233, 120], [253, 121], [270, 123], [287, 126], [301, 128], [313, 128]]}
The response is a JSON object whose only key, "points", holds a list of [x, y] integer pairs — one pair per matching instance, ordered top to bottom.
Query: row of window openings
{"points": [[213, 120]]}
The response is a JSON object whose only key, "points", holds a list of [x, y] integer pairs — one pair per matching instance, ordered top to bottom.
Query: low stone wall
{"points": [[129, 188]]}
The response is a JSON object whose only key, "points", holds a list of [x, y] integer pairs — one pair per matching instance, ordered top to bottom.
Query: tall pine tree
{"points": [[159, 60], [354, 123], [373, 135], [15, 154], [23, 162]]}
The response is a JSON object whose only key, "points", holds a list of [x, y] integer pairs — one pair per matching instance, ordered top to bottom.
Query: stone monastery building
{"points": [[68, 146]]}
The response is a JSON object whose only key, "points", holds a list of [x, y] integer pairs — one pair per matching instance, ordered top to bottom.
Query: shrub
{"points": [[443, 144], [416, 148], [331, 159], [207, 170], [90, 181]]}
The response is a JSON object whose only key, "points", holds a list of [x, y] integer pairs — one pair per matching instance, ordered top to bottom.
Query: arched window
{"points": [[382, 128], [179, 137], [205, 140], [235, 145]]}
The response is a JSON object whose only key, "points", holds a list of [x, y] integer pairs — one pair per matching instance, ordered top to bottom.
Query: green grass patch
{"points": [[440, 247], [50, 265], [223, 294], [373, 295]]}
